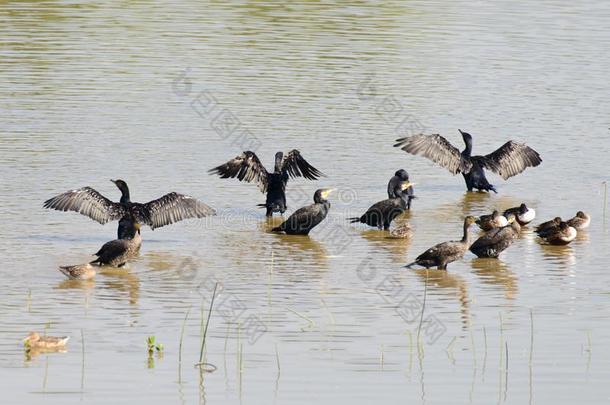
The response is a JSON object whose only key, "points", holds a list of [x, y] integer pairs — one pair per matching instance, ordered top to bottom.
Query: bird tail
{"points": [[492, 188], [261, 205], [353, 220], [277, 229], [96, 261], [410, 265]]}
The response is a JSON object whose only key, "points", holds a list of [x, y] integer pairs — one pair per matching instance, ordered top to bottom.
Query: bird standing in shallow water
{"points": [[509, 160], [247, 167], [399, 177], [170, 208], [382, 213], [303, 220], [497, 240], [442, 254]]}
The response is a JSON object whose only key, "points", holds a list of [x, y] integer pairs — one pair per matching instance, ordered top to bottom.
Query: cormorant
{"points": [[509, 160], [247, 167], [399, 177], [170, 208], [382, 213], [522, 213], [303, 220], [580, 221], [489, 222], [559, 235], [497, 240], [117, 252], [442, 254]]}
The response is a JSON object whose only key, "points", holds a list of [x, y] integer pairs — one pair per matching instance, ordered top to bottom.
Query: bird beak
{"points": [[461, 132], [114, 181], [405, 185], [327, 192], [137, 226]]}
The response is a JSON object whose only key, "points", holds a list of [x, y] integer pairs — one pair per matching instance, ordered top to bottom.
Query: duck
{"points": [[523, 214], [494, 220], [580, 221], [543, 227], [561, 235], [495, 241], [442, 254], [78, 272], [35, 341]]}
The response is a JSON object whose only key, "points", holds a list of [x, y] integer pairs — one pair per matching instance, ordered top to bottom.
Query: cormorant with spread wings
{"points": [[509, 160], [247, 167], [170, 208]]}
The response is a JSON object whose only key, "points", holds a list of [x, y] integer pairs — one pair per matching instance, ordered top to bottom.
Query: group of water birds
{"points": [[509, 160]]}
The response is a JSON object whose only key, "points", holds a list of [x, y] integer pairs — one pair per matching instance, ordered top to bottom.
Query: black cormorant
{"points": [[509, 160], [247, 167], [399, 177], [170, 208], [382, 213], [522, 213], [303, 220], [491, 221], [580, 221], [497, 240], [442, 254]]}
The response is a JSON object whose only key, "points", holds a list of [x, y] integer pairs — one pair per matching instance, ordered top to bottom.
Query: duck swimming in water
{"points": [[509, 160], [247, 167], [170, 208], [382, 213], [522, 213], [303, 220], [494, 220], [580, 221], [497, 240], [442, 254], [35, 341]]}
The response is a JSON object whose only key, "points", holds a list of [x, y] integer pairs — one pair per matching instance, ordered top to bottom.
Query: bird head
{"points": [[465, 136], [278, 161], [402, 174], [322, 194], [581, 214]]}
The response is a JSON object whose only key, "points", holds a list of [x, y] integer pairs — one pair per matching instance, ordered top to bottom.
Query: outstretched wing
{"points": [[437, 149], [510, 159], [295, 165], [246, 167], [88, 202], [170, 208]]}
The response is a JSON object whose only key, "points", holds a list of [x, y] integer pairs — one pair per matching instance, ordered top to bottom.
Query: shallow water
{"points": [[90, 92]]}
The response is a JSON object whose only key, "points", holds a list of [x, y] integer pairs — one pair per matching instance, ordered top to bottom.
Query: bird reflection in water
{"points": [[397, 247], [562, 255], [497, 273], [121, 280], [444, 280]]}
